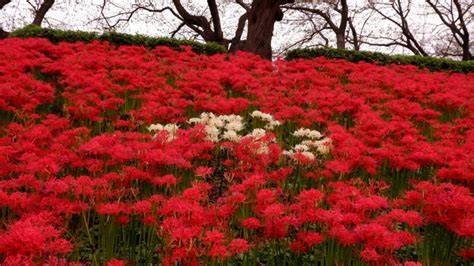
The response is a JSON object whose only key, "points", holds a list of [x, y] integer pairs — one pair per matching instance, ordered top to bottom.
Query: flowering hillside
{"points": [[128, 156]]}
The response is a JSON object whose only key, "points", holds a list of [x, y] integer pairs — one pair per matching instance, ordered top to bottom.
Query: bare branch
{"points": [[242, 4], [341, 7], [41, 12], [319, 12], [129, 14], [454, 18], [216, 21], [195, 22], [173, 33], [355, 38], [307, 39], [409, 40], [236, 41]]}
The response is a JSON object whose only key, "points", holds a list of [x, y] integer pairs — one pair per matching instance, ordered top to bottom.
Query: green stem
{"points": [[86, 224]]}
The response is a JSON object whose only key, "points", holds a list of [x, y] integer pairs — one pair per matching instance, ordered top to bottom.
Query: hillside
{"points": [[123, 155]]}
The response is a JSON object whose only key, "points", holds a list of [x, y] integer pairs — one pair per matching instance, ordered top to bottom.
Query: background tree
{"points": [[39, 8], [396, 12], [457, 16], [258, 18], [261, 20], [326, 22], [339, 25], [442, 28], [312, 32]]}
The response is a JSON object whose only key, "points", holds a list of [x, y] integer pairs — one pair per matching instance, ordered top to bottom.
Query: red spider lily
{"points": [[80, 174], [446, 204], [251, 223], [34, 236], [237, 246]]}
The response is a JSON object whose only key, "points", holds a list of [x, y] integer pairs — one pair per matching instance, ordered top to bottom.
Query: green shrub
{"points": [[56, 36], [433, 64]]}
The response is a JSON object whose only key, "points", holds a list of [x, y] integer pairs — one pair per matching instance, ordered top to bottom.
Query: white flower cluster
{"points": [[271, 123], [220, 127], [227, 127], [172, 129], [257, 133], [307, 133], [313, 144], [323, 146]]}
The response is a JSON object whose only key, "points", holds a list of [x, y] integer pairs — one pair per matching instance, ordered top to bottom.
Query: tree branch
{"points": [[242, 4], [41, 12], [319, 12], [129, 14], [192, 21], [216, 21], [461, 32], [173, 33], [355, 38], [235, 42], [410, 42]]}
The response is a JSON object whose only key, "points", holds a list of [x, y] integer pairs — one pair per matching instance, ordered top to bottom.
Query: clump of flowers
{"points": [[270, 122], [222, 127], [170, 129], [313, 144], [388, 183]]}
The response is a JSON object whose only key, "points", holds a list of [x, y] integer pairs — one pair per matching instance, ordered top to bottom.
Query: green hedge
{"points": [[56, 36], [433, 64]]}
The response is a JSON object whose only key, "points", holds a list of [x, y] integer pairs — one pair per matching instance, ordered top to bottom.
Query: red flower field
{"points": [[128, 156]]}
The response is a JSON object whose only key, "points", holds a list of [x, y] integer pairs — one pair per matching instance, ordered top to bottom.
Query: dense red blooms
{"points": [[85, 179], [446, 204], [251, 223], [34, 236], [238, 245]]}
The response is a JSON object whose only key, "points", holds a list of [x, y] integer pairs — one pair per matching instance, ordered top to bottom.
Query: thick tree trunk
{"points": [[39, 17], [261, 19], [341, 33], [341, 40], [466, 52]]}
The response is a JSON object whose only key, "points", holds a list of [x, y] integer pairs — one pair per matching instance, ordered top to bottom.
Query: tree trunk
{"points": [[45, 6], [261, 18], [463, 33], [341, 34], [355, 37], [341, 40], [466, 53]]}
